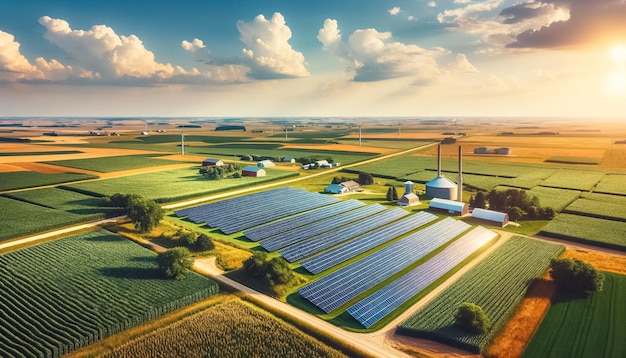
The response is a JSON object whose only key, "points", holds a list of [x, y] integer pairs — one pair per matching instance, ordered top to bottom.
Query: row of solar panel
{"points": [[256, 209], [277, 227], [302, 233], [344, 233], [348, 250], [345, 284], [384, 301]]}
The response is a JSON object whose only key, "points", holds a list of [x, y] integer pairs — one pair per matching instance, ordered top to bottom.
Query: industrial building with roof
{"points": [[212, 162], [265, 163], [251, 171], [345, 187], [442, 187], [449, 206], [490, 217]]}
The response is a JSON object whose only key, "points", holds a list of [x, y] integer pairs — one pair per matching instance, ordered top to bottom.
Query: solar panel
{"points": [[302, 233], [331, 238], [345, 252], [341, 286], [382, 302]]}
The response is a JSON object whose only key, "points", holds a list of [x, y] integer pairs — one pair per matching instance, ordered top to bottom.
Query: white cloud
{"points": [[432, 4], [394, 11], [411, 18], [197, 48], [268, 52], [374, 56], [462, 64], [15, 67]]}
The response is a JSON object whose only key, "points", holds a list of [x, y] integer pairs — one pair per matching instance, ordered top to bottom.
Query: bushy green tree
{"points": [[365, 179], [394, 194], [389, 196], [480, 201], [515, 213], [145, 214], [186, 237], [204, 243], [175, 263], [271, 272], [576, 276], [472, 319]]}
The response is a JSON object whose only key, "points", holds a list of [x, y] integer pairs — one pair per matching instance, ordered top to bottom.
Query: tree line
{"points": [[515, 202]]}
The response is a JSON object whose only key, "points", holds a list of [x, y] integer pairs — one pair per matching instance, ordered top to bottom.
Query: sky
{"points": [[282, 58]]}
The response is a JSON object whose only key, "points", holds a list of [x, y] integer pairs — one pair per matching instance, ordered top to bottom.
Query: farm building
{"points": [[484, 150], [289, 160], [212, 162], [265, 164], [322, 164], [251, 171], [345, 187], [441, 187], [336, 189], [409, 200], [449, 206], [491, 217]]}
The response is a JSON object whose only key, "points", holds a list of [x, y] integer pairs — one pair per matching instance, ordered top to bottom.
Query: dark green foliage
{"points": [[246, 157], [219, 172], [365, 179], [19, 180], [339, 180], [394, 193], [389, 196], [119, 200], [480, 201], [517, 203], [145, 214], [186, 237], [204, 243], [175, 263], [271, 272], [576, 276], [472, 319]]}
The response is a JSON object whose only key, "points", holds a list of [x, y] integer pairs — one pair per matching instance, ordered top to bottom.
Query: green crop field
{"points": [[15, 154], [573, 160], [114, 164], [573, 179], [20, 180], [612, 184], [172, 185], [607, 198], [557, 199], [65, 200], [598, 209], [21, 218], [593, 231], [497, 284], [65, 294], [578, 327], [231, 329]]}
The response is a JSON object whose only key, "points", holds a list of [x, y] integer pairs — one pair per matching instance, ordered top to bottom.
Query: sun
{"points": [[618, 54]]}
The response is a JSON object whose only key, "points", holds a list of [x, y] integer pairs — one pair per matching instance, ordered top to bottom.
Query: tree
{"points": [[365, 179], [394, 193], [389, 196], [480, 201], [515, 213], [145, 214], [186, 237], [204, 243], [175, 263], [255, 264], [271, 272], [576, 276], [472, 319]]}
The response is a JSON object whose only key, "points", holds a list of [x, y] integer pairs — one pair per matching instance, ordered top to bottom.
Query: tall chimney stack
{"points": [[438, 160], [459, 183]]}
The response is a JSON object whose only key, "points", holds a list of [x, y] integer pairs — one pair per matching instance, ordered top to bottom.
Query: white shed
{"points": [[265, 164], [449, 206], [491, 217]]}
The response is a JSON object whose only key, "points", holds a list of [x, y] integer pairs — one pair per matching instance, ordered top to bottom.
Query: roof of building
{"points": [[213, 160], [266, 163], [251, 168], [408, 182], [441, 182], [350, 184], [335, 188], [410, 196], [446, 204], [491, 215]]}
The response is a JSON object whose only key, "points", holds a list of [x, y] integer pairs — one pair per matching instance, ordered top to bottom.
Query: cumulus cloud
{"points": [[432, 4], [394, 11], [411, 18], [588, 22], [197, 48], [268, 52], [373, 56], [462, 64], [16, 67]]}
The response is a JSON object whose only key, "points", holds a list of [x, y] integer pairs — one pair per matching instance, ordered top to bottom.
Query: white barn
{"points": [[265, 164], [449, 206], [491, 217]]}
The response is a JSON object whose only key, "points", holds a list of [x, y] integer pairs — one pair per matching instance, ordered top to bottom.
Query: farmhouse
{"points": [[289, 160], [212, 162], [265, 164], [251, 171], [345, 187], [409, 198], [448, 206], [490, 217]]}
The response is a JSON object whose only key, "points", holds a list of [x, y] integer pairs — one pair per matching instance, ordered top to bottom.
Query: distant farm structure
{"points": [[485, 150]]}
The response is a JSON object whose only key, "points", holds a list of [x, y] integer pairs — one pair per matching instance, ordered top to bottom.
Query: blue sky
{"points": [[313, 58]]}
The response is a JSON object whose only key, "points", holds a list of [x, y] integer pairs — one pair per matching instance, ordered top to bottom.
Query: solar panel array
{"points": [[236, 214], [284, 225], [302, 233], [345, 233], [345, 252], [341, 286], [376, 306]]}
